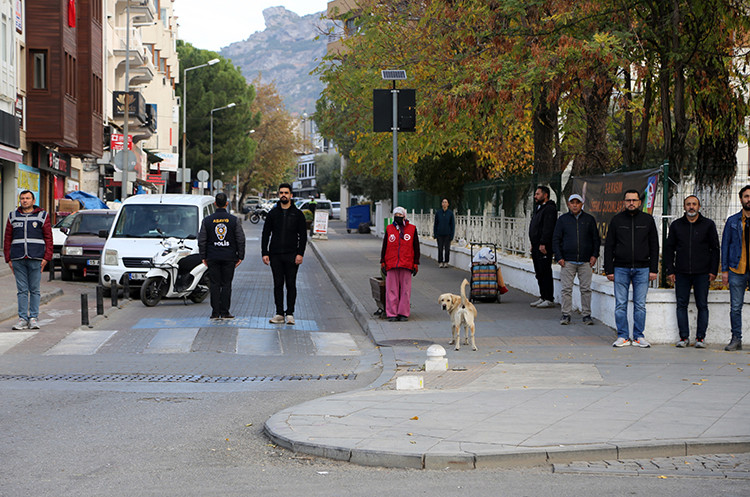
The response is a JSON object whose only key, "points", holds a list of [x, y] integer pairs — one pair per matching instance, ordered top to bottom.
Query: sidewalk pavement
{"points": [[8, 299], [534, 393]]}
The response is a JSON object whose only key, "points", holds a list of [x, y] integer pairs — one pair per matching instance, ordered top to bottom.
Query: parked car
{"points": [[322, 205], [336, 210], [141, 224], [60, 233], [82, 249]]}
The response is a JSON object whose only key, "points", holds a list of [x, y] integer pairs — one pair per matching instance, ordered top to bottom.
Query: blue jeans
{"points": [[28, 274], [623, 279], [682, 285], [737, 285]]}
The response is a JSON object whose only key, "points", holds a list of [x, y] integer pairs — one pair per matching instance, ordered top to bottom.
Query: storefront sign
{"points": [[19, 16], [116, 142], [27, 179]]}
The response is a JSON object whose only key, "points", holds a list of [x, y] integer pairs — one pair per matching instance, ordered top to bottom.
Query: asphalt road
{"points": [[149, 409]]}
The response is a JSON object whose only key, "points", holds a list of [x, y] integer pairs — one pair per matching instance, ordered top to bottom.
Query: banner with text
{"points": [[603, 195]]}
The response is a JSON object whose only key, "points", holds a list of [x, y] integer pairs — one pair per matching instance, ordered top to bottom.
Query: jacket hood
{"points": [[34, 211]]}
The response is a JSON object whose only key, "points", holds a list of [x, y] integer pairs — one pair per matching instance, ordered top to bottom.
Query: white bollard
{"points": [[436, 360]]}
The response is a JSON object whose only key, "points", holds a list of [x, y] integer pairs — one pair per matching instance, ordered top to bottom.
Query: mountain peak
{"points": [[278, 16]]}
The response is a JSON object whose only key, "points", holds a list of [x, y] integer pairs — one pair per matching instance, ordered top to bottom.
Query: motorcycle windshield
{"points": [[156, 221]]}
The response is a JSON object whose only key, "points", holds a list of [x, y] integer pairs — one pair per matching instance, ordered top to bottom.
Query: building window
{"points": [[97, 11], [39, 69], [70, 75], [97, 97]]}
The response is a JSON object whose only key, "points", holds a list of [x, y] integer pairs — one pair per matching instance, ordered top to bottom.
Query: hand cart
{"points": [[484, 284]]}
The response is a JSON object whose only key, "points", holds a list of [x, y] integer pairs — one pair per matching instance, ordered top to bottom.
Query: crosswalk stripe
{"points": [[10, 340], [172, 341], [81, 342], [258, 342], [334, 344]]}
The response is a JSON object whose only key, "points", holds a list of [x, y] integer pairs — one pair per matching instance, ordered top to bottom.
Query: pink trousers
{"points": [[397, 292]]}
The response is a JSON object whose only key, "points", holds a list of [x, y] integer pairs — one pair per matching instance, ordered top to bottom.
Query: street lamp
{"points": [[184, 117], [211, 173], [237, 185]]}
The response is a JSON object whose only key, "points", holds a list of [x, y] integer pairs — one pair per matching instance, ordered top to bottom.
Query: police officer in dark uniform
{"points": [[221, 243]]}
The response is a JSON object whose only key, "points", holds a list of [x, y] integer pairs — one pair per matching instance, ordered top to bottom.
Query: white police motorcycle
{"points": [[176, 272]]}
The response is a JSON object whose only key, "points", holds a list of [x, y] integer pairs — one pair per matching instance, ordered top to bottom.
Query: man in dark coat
{"points": [[541, 229], [221, 243], [283, 247]]}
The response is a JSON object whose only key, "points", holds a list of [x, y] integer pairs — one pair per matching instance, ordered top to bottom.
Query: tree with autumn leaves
{"points": [[509, 87]]}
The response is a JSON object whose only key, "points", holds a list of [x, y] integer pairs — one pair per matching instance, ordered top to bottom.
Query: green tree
{"points": [[209, 88], [328, 175]]}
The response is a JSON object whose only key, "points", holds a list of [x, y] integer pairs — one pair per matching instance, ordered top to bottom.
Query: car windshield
{"points": [[156, 220], [66, 221], [91, 224]]}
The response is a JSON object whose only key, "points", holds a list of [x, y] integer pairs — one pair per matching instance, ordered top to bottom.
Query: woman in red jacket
{"points": [[400, 259]]}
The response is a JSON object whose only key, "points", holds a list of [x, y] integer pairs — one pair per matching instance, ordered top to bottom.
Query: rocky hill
{"points": [[285, 52]]}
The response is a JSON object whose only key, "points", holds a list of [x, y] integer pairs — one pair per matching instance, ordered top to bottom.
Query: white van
{"points": [[133, 239]]}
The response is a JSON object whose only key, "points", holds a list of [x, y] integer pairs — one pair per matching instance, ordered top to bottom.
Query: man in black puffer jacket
{"points": [[541, 228], [221, 244], [576, 245], [283, 247], [631, 256], [691, 259]]}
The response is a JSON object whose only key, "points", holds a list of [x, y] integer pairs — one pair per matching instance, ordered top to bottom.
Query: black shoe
{"points": [[215, 316], [227, 316], [402, 318], [392, 319], [734, 344]]}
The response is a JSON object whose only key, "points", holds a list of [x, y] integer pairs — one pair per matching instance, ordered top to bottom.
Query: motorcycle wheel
{"points": [[254, 218], [151, 292], [199, 295]]}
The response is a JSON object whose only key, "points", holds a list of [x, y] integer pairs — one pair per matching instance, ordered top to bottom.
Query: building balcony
{"points": [[337, 8], [142, 12], [141, 68]]}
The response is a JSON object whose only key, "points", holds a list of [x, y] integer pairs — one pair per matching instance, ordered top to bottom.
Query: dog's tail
{"points": [[464, 300]]}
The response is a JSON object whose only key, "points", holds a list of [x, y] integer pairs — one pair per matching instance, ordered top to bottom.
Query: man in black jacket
{"points": [[540, 233], [221, 244], [576, 246], [283, 247], [631, 256], [691, 259]]}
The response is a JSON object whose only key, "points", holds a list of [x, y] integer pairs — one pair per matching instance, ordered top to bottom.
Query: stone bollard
{"points": [[436, 360]]}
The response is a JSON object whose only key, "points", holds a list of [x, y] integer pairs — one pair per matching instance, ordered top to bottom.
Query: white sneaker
{"points": [[536, 302], [546, 304], [277, 319], [289, 319], [22, 324], [33, 324], [621, 342], [641, 342]]}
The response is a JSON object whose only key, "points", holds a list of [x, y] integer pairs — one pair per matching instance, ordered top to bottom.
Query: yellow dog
{"points": [[462, 313]]}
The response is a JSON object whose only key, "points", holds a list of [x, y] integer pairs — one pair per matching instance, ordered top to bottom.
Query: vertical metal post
{"points": [[394, 92], [126, 114], [184, 128], [211, 174], [664, 219], [51, 269], [126, 286], [113, 293], [99, 300], [84, 309]]}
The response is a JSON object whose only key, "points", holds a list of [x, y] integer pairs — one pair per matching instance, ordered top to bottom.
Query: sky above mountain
{"points": [[215, 24]]}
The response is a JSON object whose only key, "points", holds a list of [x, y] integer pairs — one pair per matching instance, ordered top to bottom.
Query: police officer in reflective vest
{"points": [[221, 243], [27, 249]]}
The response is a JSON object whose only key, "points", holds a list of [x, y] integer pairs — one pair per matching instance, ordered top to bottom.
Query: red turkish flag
{"points": [[72, 13]]}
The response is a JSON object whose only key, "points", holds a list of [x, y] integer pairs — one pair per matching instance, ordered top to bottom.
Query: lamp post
{"points": [[184, 116], [211, 172], [237, 185]]}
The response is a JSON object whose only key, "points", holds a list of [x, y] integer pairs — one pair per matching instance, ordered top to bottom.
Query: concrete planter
{"points": [[661, 322]]}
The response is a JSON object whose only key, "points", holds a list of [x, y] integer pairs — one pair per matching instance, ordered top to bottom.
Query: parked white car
{"points": [[336, 210], [141, 224]]}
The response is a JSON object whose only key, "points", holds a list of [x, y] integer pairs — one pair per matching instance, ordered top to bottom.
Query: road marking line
{"points": [[10, 340], [172, 341], [81, 342], [258, 342], [334, 344]]}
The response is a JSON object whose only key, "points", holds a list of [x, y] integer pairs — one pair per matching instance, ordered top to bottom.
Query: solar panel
{"points": [[392, 74]]}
